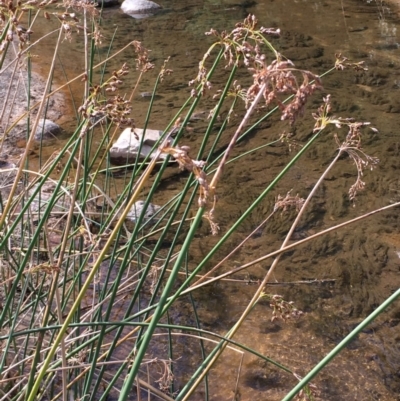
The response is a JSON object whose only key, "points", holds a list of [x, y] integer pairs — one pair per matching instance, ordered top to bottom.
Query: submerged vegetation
{"points": [[88, 299]]}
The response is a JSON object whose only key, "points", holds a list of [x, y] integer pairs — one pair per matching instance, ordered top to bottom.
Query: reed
{"points": [[83, 291]]}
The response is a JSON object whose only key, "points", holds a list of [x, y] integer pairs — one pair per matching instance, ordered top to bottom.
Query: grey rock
{"points": [[139, 8], [47, 130], [126, 148], [137, 210]]}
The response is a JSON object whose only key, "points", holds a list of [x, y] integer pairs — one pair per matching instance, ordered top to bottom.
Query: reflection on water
{"points": [[361, 264]]}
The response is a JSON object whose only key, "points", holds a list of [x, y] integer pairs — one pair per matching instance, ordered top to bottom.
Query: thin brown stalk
{"points": [[86, 47], [136, 86], [6, 102], [250, 110], [197, 337], [148, 380], [138, 390], [236, 394]]}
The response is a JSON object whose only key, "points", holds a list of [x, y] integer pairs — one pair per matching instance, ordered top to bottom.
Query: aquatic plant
{"points": [[83, 293]]}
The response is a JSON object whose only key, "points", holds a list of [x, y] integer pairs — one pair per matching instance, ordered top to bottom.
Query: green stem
{"points": [[95, 268], [341, 346], [126, 389]]}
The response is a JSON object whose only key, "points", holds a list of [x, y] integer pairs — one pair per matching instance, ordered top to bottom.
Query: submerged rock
{"points": [[139, 8], [13, 92], [47, 130], [127, 147], [44, 196], [137, 210]]}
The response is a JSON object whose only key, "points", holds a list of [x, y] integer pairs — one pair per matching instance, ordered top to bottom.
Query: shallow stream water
{"points": [[355, 268]]}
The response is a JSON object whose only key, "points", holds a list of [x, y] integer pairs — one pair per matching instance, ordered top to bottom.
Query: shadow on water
{"points": [[360, 264]]}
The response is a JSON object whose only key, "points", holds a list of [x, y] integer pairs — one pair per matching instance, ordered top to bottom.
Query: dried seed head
{"points": [[142, 61], [351, 144], [284, 203], [281, 309]]}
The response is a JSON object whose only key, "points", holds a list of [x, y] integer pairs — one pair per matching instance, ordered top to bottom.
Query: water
{"points": [[360, 264]]}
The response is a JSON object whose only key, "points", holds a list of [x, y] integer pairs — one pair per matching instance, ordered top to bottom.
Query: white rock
{"points": [[139, 8], [126, 148], [137, 210]]}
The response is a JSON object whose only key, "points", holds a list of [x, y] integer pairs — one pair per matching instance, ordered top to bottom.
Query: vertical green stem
{"points": [[127, 386]]}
